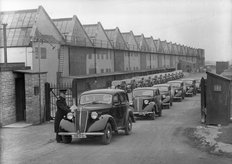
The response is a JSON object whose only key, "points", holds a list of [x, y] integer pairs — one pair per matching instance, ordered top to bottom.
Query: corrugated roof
{"points": [[64, 25], [19, 26], [91, 30], [73, 31], [116, 38], [130, 41], [142, 42], [151, 44], [158, 46], [165, 47]]}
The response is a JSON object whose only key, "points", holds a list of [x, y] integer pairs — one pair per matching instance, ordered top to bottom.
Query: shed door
{"points": [[20, 99]]}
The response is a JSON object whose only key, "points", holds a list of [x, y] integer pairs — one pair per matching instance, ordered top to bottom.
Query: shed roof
{"points": [[23, 25], [19, 26], [73, 31], [97, 35], [116, 38], [130, 41], [142, 42], [151, 44], [165, 47], [159, 48]]}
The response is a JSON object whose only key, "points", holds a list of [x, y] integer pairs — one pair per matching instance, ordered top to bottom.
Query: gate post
{"points": [[47, 102]]}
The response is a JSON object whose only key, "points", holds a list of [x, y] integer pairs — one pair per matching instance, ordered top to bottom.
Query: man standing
{"points": [[62, 109]]}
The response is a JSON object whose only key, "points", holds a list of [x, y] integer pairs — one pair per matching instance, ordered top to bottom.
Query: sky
{"points": [[205, 24]]}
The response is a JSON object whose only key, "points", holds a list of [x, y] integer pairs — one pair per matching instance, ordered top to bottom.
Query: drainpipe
{"points": [[5, 43]]}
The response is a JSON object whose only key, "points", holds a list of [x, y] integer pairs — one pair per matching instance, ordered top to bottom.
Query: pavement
{"points": [[35, 144]]}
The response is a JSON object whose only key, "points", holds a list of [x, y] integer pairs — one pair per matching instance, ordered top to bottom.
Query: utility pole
{"points": [[5, 43]]}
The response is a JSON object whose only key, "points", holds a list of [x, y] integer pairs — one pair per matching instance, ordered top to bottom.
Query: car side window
{"points": [[122, 98], [115, 99]]}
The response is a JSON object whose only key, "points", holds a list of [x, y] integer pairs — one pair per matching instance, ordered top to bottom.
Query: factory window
{"points": [[43, 53], [90, 56], [102, 56], [106, 56], [102, 70]]}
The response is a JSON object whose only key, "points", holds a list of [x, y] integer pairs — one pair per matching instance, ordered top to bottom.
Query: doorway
{"points": [[20, 98]]}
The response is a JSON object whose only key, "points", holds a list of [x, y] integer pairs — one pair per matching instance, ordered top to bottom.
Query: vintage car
{"points": [[190, 85], [177, 88], [166, 94], [146, 101], [99, 113]]}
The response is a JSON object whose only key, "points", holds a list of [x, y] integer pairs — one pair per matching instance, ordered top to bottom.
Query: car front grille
{"points": [[81, 120]]}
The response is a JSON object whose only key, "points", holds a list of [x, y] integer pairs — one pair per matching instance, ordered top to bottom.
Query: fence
{"points": [[51, 96]]}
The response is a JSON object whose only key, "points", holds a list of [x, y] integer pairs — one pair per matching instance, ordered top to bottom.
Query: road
{"points": [[152, 141], [159, 141]]}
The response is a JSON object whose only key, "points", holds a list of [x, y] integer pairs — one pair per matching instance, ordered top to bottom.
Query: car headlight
{"points": [[188, 87], [176, 91], [164, 96], [146, 102], [130, 103], [94, 115], [70, 116]]}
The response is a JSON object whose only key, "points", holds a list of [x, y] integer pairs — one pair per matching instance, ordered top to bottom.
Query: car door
{"points": [[116, 105], [123, 108]]}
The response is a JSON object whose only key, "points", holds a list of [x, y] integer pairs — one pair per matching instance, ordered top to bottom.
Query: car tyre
{"points": [[152, 116], [128, 128], [106, 138], [67, 139]]}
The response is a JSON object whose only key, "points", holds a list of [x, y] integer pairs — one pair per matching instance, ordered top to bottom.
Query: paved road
{"points": [[158, 141]]}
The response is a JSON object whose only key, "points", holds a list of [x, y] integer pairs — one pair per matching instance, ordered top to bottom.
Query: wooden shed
{"points": [[218, 99]]}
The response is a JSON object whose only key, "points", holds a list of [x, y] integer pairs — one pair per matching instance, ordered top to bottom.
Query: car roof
{"points": [[186, 79], [175, 81], [161, 85], [147, 88], [107, 91]]}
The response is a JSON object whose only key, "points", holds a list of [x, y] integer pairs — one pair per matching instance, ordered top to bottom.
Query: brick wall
{"points": [[7, 98], [33, 113]]}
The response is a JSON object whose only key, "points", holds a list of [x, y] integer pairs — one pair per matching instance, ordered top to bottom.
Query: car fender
{"points": [[149, 107], [130, 114], [100, 123], [67, 125]]}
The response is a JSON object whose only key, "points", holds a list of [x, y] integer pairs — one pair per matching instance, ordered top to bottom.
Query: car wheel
{"points": [[152, 116], [128, 128], [106, 138], [67, 139]]}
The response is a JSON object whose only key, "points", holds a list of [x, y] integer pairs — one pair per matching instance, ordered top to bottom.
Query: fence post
{"points": [[47, 102]]}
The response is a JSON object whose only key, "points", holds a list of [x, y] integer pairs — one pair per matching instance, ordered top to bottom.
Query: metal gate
{"points": [[51, 96]]}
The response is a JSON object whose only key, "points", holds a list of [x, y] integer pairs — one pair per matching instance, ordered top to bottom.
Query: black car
{"points": [[190, 86], [177, 88], [146, 101], [99, 113]]}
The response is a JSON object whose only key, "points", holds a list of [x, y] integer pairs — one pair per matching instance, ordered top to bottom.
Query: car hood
{"points": [[164, 92], [94, 107]]}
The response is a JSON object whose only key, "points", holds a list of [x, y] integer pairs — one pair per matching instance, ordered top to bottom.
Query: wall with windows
{"points": [[17, 55], [120, 57], [49, 60], [103, 60], [132, 61], [154, 61]]}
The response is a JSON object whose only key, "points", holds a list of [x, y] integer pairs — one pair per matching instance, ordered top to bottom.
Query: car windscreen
{"points": [[188, 82], [175, 85], [163, 88], [141, 93], [96, 98]]}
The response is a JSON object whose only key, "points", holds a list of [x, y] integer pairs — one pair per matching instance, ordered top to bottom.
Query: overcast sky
{"points": [[203, 24]]}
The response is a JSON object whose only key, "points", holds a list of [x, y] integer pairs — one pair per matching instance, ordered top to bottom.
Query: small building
{"points": [[33, 39], [78, 47], [153, 50], [121, 51], [134, 51], [145, 55], [102, 61], [218, 99]]}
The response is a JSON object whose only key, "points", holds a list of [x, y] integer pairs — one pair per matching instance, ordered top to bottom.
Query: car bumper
{"points": [[142, 113], [81, 135]]}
